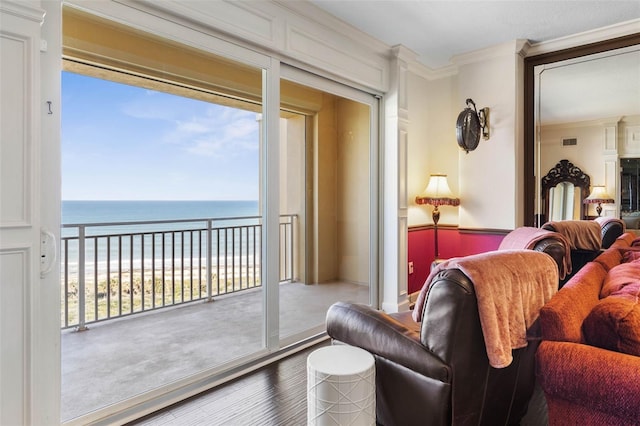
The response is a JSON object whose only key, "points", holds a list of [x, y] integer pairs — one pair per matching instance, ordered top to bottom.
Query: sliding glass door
{"points": [[327, 191], [213, 209]]}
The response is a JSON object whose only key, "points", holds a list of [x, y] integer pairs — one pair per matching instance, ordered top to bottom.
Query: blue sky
{"points": [[126, 143]]}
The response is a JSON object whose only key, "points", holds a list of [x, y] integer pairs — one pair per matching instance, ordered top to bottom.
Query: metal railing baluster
{"points": [[209, 255], [218, 262], [190, 265], [173, 268], [153, 270], [120, 275], [108, 277], [131, 277], [95, 278], [81, 283], [66, 284], [142, 293], [164, 301]]}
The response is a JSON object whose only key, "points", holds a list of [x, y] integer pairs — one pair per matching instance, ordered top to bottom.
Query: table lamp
{"points": [[437, 194], [598, 196]]}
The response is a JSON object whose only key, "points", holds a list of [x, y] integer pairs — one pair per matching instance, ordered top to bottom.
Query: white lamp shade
{"points": [[437, 192], [598, 195]]}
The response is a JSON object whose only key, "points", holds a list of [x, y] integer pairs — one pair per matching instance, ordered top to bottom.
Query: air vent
{"points": [[569, 142]]}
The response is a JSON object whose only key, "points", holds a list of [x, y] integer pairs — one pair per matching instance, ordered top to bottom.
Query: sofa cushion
{"points": [[624, 240], [630, 256], [609, 258], [619, 277], [561, 318], [614, 323]]}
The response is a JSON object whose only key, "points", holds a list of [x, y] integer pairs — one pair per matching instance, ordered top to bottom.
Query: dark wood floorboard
{"points": [[273, 395]]}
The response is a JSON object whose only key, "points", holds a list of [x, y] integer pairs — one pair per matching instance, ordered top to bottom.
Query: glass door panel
{"points": [[325, 145], [162, 228]]}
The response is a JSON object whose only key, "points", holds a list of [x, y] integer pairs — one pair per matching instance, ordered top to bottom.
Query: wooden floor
{"points": [[273, 395]]}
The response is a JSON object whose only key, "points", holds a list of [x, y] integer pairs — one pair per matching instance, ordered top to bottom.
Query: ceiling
{"points": [[439, 30]]}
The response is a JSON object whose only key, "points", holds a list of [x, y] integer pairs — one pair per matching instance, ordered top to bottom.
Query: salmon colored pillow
{"points": [[619, 277], [614, 323]]}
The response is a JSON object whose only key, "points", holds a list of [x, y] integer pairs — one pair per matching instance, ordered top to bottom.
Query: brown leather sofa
{"points": [[611, 229], [587, 239], [437, 371]]}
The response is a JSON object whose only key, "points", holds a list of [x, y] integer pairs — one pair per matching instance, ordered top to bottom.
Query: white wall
{"points": [[432, 143], [587, 154], [490, 181]]}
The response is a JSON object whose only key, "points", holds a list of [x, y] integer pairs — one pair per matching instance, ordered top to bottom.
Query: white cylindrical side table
{"points": [[341, 387]]}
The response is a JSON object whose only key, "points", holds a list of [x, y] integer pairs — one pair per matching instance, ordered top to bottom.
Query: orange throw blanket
{"points": [[581, 234], [526, 237], [511, 286]]}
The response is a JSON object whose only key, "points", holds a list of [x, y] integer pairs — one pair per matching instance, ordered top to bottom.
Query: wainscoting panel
{"points": [[452, 242]]}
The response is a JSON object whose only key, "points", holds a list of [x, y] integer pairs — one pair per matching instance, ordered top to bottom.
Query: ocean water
{"points": [[76, 212], [119, 214]]}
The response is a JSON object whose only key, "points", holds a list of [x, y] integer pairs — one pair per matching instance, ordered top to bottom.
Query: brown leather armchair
{"points": [[437, 372]]}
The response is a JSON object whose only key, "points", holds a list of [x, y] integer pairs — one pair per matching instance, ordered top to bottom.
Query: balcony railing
{"points": [[110, 270]]}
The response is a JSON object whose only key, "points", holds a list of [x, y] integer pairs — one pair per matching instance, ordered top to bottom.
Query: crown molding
{"points": [[24, 10], [309, 11], [593, 36], [517, 47], [416, 67], [604, 121]]}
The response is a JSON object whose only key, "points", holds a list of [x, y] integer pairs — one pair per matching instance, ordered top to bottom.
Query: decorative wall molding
{"points": [[23, 10], [298, 33], [587, 37], [19, 47], [511, 47], [317, 50], [413, 66], [606, 121], [610, 139], [631, 140], [611, 182], [395, 295], [15, 302]]}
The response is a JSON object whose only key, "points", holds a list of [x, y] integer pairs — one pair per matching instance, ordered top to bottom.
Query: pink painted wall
{"points": [[452, 243]]}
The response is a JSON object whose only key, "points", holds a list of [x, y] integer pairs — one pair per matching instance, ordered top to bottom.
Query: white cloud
{"points": [[199, 128], [220, 132]]}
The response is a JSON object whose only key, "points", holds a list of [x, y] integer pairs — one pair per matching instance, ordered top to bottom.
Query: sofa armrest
{"points": [[612, 228], [558, 251], [379, 333], [585, 375]]}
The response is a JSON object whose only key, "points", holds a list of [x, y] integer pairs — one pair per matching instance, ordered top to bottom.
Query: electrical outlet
{"points": [[410, 268]]}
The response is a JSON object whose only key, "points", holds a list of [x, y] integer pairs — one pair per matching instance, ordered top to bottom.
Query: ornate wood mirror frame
{"points": [[529, 109]]}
